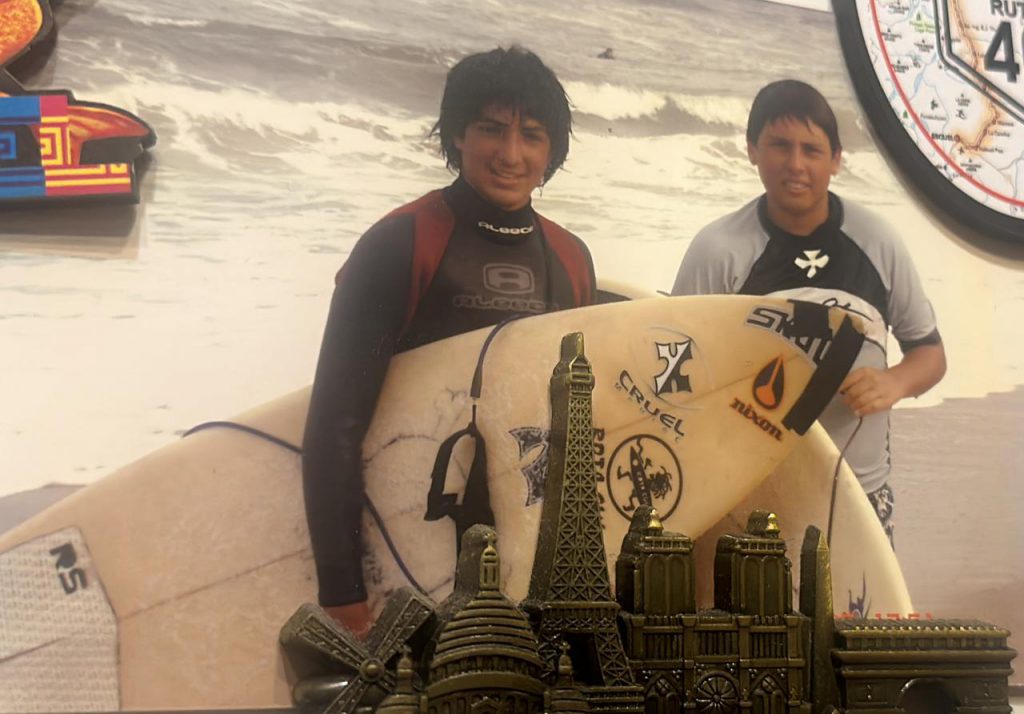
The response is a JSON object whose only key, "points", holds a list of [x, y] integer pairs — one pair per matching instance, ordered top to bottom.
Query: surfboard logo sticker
{"points": [[779, 321], [665, 371], [671, 380], [770, 384], [632, 391], [763, 423], [533, 440], [643, 470], [71, 578], [860, 606]]}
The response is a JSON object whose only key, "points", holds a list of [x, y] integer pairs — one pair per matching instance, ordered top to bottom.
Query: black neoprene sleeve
{"points": [[365, 319]]}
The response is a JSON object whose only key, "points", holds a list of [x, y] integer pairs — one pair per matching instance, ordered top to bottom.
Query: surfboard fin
{"points": [[827, 378]]}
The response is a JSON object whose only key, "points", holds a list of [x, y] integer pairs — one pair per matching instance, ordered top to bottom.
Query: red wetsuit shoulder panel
{"points": [[434, 225], [570, 252]]}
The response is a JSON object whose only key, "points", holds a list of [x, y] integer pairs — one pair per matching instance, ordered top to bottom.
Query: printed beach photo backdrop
{"points": [[286, 129]]}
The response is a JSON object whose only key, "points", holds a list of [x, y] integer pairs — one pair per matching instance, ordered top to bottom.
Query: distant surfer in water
{"points": [[798, 240], [455, 260]]}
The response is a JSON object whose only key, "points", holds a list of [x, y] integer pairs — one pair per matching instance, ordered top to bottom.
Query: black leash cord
{"points": [[476, 387], [297, 450], [835, 481]]}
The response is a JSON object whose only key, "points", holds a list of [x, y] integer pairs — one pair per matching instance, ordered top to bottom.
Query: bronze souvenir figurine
{"points": [[571, 648]]}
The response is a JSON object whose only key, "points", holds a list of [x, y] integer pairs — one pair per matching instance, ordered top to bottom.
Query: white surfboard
{"points": [[674, 388], [194, 556], [867, 580]]}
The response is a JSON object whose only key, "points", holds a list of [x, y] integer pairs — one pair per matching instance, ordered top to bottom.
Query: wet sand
{"points": [[959, 490]]}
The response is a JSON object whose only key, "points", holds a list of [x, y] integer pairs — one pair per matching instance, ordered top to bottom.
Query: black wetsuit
{"points": [[446, 264]]}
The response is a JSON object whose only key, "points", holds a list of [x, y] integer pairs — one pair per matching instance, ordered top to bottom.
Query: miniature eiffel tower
{"points": [[570, 594]]}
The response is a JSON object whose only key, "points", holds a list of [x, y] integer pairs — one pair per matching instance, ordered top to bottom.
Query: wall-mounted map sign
{"points": [[943, 85], [52, 146]]}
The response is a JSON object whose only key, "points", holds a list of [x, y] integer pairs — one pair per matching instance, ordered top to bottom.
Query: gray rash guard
{"points": [[853, 261]]}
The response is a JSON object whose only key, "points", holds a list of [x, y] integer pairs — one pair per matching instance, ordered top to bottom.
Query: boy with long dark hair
{"points": [[426, 271]]}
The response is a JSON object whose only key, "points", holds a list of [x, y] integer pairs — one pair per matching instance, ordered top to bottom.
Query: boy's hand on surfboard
{"points": [[868, 390], [354, 616]]}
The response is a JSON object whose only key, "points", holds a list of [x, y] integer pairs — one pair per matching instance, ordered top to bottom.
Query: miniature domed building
{"points": [[486, 656], [565, 697], [404, 700]]}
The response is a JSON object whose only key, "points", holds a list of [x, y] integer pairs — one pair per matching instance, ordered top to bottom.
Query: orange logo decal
{"points": [[770, 384]]}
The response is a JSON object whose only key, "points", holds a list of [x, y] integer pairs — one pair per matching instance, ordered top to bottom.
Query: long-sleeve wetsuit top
{"points": [[854, 261], [392, 296]]}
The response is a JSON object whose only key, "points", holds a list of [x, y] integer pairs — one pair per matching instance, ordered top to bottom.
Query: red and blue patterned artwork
{"points": [[53, 147]]}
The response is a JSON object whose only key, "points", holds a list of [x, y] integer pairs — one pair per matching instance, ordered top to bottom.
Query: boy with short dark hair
{"points": [[798, 240], [425, 272]]}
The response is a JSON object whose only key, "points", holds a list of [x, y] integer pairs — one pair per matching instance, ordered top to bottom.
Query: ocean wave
{"points": [[255, 13], [155, 21], [301, 61], [247, 109], [629, 111], [671, 111]]}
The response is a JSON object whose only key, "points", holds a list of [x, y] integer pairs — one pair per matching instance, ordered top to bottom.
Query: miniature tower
{"points": [[654, 574], [752, 575], [754, 586], [656, 587], [570, 594], [816, 603], [564, 697], [404, 700]]}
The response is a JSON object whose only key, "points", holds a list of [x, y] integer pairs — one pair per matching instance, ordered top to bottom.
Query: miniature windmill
{"points": [[367, 665]]}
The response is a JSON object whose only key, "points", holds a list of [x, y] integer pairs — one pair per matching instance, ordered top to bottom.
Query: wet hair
{"points": [[515, 78], [792, 99]]}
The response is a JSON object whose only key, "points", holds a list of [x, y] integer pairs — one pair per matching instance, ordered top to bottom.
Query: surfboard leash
{"points": [[247, 429], [835, 480], [476, 496], [367, 501]]}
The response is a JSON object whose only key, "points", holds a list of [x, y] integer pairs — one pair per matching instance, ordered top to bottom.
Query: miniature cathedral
{"points": [[746, 654]]}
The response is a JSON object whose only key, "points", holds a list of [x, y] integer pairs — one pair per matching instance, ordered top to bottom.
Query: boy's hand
{"points": [[868, 390]]}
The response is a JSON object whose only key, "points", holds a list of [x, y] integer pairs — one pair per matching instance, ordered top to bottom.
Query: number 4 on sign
{"points": [[1002, 45]]}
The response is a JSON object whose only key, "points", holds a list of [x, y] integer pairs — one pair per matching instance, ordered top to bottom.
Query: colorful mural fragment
{"points": [[52, 146]]}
